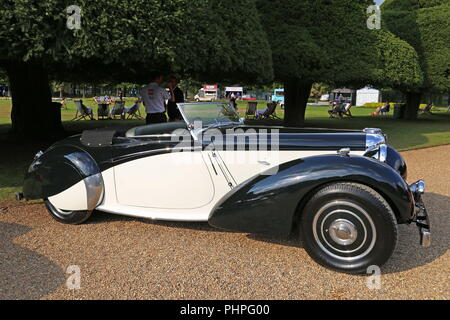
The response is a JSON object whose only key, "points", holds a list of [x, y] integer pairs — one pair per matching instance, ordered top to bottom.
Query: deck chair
{"points": [[64, 104], [427, 109], [103, 110], [118, 110], [251, 110], [385, 110], [346, 111], [83, 112], [134, 112], [271, 112]]}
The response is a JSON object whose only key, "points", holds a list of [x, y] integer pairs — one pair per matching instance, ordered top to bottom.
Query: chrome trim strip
{"points": [[38, 155], [95, 191]]}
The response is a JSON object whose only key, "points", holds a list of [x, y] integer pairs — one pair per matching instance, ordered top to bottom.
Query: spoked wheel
{"points": [[67, 217], [349, 227]]}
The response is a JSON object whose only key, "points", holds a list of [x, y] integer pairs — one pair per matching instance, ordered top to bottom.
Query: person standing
{"points": [[176, 96], [154, 98], [233, 102]]}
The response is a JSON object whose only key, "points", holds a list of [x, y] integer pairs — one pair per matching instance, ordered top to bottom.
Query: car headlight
{"points": [[376, 144]]}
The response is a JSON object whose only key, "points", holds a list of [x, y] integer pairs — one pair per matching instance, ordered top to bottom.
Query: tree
{"points": [[424, 25], [122, 41], [317, 41], [397, 64], [3, 77], [319, 89]]}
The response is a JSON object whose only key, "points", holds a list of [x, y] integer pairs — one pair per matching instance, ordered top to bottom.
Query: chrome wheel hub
{"points": [[343, 232]]}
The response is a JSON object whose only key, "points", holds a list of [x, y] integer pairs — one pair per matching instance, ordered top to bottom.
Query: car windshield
{"points": [[209, 114]]}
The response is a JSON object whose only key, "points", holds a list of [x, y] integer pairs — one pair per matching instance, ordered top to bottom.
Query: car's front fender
{"points": [[61, 168], [267, 204]]}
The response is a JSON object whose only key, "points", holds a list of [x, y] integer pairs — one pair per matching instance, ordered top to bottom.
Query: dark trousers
{"points": [[155, 118]]}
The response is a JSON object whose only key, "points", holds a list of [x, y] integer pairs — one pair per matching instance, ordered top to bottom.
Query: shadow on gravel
{"points": [[102, 218], [409, 254], [24, 274]]}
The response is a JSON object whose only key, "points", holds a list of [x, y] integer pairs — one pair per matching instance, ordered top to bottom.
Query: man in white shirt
{"points": [[154, 98]]}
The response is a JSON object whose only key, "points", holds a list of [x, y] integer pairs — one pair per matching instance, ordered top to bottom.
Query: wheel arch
{"points": [[303, 202], [269, 204]]}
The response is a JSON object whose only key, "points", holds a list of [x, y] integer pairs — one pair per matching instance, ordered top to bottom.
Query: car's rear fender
{"points": [[65, 172], [267, 204]]}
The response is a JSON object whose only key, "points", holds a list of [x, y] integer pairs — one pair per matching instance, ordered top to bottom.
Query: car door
{"points": [[243, 157], [247, 157], [244, 165], [176, 180]]}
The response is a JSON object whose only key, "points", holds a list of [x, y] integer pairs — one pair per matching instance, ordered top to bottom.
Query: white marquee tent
{"points": [[367, 95]]}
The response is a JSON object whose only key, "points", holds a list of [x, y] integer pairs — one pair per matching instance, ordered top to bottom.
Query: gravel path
{"points": [[124, 258]]}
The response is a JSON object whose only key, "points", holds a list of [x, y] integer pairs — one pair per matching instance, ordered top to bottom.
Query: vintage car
{"points": [[343, 192]]}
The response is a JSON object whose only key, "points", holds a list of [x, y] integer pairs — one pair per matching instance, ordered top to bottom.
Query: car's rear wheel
{"points": [[67, 217], [348, 227]]}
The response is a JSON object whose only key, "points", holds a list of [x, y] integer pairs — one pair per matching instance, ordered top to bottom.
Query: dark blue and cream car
{"points": [[343, 192]]}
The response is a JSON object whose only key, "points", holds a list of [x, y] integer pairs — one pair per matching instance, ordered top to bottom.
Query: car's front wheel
{"points": [[67, 217], [349, 227]]}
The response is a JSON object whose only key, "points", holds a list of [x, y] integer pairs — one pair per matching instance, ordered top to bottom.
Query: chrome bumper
{"points": [[421, 217]]}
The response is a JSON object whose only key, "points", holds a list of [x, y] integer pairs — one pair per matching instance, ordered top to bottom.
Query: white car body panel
{"points": [[244, 165], [158, 181], [74, 198], [181, 200]]}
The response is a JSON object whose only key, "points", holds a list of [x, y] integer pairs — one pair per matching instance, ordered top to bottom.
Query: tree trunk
{"points": [[296, 94], [412, 105], [33, 112]]}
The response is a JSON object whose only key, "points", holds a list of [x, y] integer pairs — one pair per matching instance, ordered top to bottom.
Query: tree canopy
{"points": [[411, 4], [425, 26], [195, 36], [125, 40], [317, 41], [294, 42], [398, 63]]}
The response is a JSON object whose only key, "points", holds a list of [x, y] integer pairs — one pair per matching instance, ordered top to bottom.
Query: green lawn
{"points": [[429, 130]]}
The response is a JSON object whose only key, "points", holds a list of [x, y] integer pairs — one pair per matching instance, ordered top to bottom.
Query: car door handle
{"points": [[264, 163]]}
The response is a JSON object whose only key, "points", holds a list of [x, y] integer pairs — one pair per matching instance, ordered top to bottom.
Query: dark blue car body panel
{"points": [[268, 204]]}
